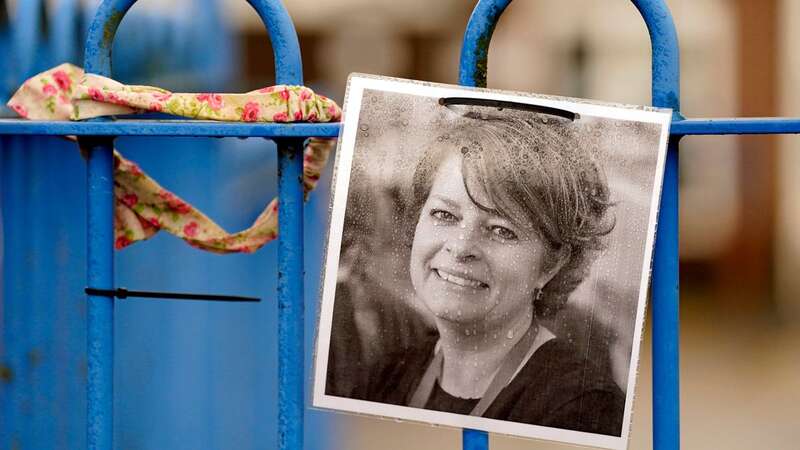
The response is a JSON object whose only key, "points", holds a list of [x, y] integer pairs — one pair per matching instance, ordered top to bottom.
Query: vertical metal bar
{"points": [[283, 38], [475, 46], [665, 55], [472, 72], [15, 193], [100, 274], [665, 294], [40, 296], [25, 301], [666, 306], [291, 399], [474, 440]]}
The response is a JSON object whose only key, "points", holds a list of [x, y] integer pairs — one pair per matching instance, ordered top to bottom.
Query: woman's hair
{"points": [[533, 171]]}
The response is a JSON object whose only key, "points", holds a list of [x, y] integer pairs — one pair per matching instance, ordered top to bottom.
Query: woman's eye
{"points": [[442, 215], [504, 233]]}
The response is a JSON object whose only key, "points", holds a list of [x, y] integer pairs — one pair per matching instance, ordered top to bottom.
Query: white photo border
{"points": [[357, 84]]}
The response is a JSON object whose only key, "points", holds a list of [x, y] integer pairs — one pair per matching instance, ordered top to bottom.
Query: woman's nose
{"points": [[463, 245]]}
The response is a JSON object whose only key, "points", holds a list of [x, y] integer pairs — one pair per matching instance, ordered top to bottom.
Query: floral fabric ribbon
{"points": [[142, 206]]}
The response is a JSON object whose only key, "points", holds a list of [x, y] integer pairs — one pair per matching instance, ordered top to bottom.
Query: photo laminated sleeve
{"points": [[488, 259]]}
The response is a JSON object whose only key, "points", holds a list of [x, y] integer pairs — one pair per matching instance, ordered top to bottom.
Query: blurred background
{"points": [[203, 375]]}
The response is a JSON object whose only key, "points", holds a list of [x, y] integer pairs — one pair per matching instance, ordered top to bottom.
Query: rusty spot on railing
{"points": [[110, 27], [482, 60], [6, 374]]}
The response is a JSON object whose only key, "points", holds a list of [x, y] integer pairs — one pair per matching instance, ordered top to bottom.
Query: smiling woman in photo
{"points": [[507, 215], [488, 260]]}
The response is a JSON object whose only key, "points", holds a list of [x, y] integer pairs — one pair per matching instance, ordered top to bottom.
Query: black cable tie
{"points": [[501, 104], [123, 293]]}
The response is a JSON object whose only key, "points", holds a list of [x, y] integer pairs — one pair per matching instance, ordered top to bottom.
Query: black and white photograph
{"points": [[488, 259]]}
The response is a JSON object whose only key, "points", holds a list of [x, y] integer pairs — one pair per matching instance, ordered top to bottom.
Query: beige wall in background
{"points": [[344, 14], [787, 242]]}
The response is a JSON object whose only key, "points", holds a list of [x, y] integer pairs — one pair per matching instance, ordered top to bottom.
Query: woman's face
{"points": [[469, 265]]}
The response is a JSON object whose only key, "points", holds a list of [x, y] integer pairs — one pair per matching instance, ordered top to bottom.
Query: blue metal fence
{"points": [[288, 69], [99, 137], [175, 363]]}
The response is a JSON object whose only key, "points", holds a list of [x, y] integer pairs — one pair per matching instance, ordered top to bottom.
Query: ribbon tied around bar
{"points": [[142, 207]]}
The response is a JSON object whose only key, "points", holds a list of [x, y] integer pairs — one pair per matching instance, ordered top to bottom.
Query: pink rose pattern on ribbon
{"points": [[94, 96], [214, 100], [251, 112], [142, 206]]}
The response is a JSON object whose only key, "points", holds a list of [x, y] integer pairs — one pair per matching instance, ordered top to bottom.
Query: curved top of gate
{"points": [[663, 40], [285, 46]]}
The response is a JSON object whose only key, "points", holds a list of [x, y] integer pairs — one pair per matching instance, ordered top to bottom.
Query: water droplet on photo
{"points": [[364, 127]]}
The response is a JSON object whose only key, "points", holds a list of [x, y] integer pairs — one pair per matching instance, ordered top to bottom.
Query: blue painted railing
{"points": [[97, 59], [99, 136]]}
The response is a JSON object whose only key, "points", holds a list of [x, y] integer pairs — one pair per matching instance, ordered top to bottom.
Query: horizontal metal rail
{"points": [[744, 125], [200, 128], [207, 128]]}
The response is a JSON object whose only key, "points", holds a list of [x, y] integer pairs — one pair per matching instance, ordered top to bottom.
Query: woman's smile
{"points": [[460, 279]]}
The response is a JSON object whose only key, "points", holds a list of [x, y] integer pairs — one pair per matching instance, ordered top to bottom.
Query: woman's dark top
{"points": [[556, 388], [442, 401]]}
